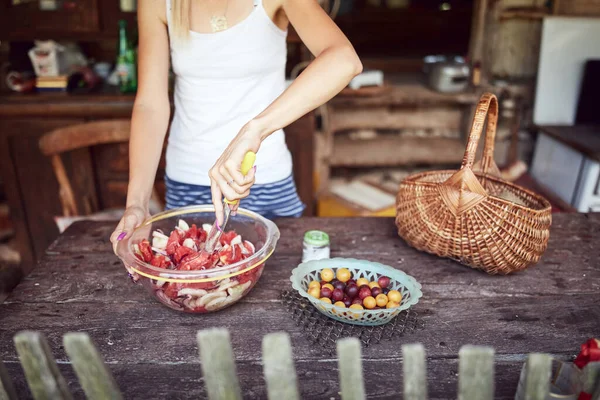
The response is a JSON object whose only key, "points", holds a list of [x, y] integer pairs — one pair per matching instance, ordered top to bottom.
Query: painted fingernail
{"points": [[255, 168], [219, 227], [122, 236]]}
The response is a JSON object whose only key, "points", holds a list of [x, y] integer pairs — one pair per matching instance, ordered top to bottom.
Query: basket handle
{"points": [[487, 107]]}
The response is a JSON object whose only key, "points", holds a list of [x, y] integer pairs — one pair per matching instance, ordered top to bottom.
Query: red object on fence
{"points": [[590, 352]]}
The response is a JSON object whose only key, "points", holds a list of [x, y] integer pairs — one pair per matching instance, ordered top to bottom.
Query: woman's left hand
{"points": [[226, 178]]}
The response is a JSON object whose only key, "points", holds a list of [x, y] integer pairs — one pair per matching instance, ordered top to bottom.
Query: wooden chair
{"points": [[70, 138]]}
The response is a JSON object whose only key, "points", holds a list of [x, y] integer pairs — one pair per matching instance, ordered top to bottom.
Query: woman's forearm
{"points": [[325, 77], [148, 129]]}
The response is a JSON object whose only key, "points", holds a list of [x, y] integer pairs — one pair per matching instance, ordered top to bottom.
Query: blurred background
{"points": [[426, 64]]}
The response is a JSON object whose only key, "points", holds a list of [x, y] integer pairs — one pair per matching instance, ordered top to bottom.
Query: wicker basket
{"points": [[471, 215]]}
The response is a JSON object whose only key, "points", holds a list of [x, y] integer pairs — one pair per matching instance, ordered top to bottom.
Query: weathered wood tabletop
{"points": [[152, 351]]}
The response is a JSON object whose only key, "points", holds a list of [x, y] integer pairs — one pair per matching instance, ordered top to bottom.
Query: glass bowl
{"points": [[201, 291]]}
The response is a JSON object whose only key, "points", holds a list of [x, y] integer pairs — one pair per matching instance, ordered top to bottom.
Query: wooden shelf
{"points": [[525, 13], [517, 14], [404, 91], [395, 151]]}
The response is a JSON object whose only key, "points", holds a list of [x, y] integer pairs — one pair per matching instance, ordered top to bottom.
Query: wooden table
{"points": [[81, 286]]}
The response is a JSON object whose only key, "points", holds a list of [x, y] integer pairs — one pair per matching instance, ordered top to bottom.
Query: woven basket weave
{"points": [[472, 215]]}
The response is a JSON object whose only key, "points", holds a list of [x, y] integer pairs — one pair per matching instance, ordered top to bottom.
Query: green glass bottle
{"points": [[126, 61]]}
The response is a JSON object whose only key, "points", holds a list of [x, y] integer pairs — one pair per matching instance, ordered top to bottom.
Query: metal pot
{"points": [[447, 74], [449, 77]]}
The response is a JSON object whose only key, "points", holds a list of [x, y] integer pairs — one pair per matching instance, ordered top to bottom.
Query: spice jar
{"points": [[315, 246]]}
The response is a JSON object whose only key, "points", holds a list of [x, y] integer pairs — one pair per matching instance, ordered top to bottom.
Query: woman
{"points": [[230, 98]]}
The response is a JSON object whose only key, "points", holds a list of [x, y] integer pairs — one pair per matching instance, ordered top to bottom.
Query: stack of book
{"points": [[52, 83]]}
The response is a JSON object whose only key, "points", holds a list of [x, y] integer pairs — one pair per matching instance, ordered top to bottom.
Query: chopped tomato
{"points": [[192, 232], [198, 235], [202, 235], [227, 237], [174, 242], [146, 250], [182, 252], [230, 254], [214, 259], [160, 261], [194, 262], [251, 275], [200, 285], [171, 289]]}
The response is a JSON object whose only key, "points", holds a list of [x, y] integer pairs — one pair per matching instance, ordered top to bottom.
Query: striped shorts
{"points": [[271, 200]]}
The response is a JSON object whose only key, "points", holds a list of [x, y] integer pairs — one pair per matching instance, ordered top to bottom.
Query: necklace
{"points": [[219, 23]]}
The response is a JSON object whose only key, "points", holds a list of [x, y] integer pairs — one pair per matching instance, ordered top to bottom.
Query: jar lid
{"points": [[316, 238]]}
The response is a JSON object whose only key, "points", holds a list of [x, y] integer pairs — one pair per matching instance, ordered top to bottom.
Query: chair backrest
{"points": [[88, 134], [79, 136]]}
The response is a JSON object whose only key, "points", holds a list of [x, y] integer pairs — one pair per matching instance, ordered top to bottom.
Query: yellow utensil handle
{"points": [[247, 164]]}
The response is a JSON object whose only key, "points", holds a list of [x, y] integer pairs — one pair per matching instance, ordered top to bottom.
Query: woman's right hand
{"points": [[133, 217]]}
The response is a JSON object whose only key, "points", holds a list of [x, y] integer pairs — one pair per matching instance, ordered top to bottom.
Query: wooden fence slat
{"points": [[218, 365], [278, 366], [350, 367], [414, 370], [476, 373], [42, 374], [95, 378], [537, 378], [591, 380], [7, 390]]}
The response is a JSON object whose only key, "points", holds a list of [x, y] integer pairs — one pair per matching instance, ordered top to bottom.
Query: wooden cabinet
{"points": [[25, 20], [30, 184]]}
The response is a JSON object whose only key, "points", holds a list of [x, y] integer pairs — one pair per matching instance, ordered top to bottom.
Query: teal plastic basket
{"points": [[400, 281]]}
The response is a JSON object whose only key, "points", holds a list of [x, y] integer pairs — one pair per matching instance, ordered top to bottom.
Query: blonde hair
{"points": [[180, 18]]}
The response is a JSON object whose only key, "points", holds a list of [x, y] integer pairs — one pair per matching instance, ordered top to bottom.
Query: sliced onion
{"points": [[181, 224], [158, 234], [236, 240], [160, 242], [189, 243], [251, 246], [244, 250], [159, 251], [224, 281], [228, 285], [237, 291], [192, 292], [204, 300], [216, 303]]}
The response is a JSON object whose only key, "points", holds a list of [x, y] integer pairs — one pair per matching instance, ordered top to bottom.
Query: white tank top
{"points": [[222, 81]]}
